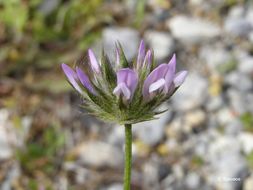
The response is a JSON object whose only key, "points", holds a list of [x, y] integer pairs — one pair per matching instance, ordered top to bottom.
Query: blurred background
{"points": [[204, 141]]}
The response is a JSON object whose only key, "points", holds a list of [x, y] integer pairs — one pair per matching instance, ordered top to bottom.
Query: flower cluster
{"points": [[126, 92]]}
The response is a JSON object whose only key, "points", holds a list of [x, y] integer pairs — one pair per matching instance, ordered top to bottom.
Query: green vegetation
{"points": [[247, 120]]}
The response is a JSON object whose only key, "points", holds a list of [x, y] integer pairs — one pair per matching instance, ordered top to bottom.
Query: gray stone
{"points": [[237, 22], [238, 26], [192, 30], [129, 39], [160, 42], [215, 56], [246, 65], [239, 81], [192, 93], [249, 100], [237, 101], [214, 103], [224, 116], [234, 127], [151, 132], [5, 136], [117, 136], [246, 141], [98, 154], [226, 163], [150, 175], [192, 181], [116, 186]]}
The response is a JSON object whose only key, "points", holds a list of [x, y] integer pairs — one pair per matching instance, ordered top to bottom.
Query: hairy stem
{"points": [[128, 156]]}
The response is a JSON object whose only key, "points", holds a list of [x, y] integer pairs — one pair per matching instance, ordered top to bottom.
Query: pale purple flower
{"points": [[141, 54], [143, 59], [147, 59], [93, 62], [71, 76], [75, 78], [179, 78], [84, 79], [163, 79], [127, 81]]}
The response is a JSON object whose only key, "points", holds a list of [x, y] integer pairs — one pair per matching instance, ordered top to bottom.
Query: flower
{"points": [[93, 62], [71, 76], [163, 79], [127, 81], [125, 92]]}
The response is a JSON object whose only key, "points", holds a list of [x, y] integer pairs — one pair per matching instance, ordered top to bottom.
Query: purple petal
{"points": [[141, 54], [148, 58], [173, 63], [94, 64], [158, 73], [72, 76], [129, 78], [169, 78], [180, 78], [84, 79], [156, 85], [122, 89]]}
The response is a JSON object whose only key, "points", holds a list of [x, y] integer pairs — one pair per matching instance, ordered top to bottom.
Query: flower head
{"points": [[128, 93]]}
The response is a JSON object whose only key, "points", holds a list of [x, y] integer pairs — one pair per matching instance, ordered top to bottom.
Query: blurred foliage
{"points": [[139, 13], [41, 33], [227, 66], [247, 120], [42, 155], [250, 159]]}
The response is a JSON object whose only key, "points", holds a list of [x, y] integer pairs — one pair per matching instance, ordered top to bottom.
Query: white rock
{"points": [[196, 2], [236, 12], [249, 15], [238, 26], [192, 30], [129, 39], [160, 42], [215, 56], [246, 65], [239, 81], [192, 93], [237, 101], [214, 103], [225, 116], [234, 127], [246, 140], [5, 143], [99, 154], [226, 162], [192, 181], [116, 186]]}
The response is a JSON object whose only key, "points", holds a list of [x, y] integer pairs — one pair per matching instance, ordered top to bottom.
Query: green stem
{"points": [[128, 156]]}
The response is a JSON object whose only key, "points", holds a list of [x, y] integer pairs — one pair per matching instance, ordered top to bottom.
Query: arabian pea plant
{"points": [[125, 92]]}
